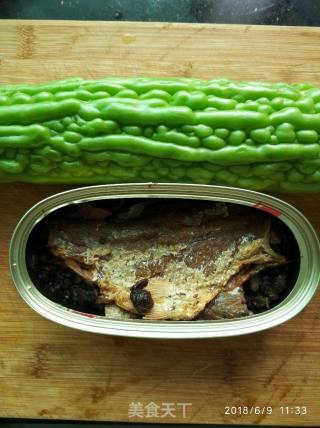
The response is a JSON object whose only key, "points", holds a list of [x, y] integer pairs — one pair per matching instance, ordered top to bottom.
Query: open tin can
{"points": [[304, 287]]}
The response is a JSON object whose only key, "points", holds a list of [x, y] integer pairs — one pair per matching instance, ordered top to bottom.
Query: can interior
{"points": [[63, 286]]}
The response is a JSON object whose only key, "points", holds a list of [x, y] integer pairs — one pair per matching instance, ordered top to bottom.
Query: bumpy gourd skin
{"points": [[253, 135]]}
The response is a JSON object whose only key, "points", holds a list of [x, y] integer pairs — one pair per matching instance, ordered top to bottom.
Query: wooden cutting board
{"points": [[50, 371]]}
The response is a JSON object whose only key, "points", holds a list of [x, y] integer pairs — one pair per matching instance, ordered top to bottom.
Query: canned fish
{"points": [[195, 270]]}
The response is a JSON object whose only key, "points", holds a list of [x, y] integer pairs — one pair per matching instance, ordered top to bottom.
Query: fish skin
{"points": [[188, 256], [227, 304]]}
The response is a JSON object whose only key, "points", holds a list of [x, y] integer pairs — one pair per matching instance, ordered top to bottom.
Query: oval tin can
{"points": [[304, 288]]}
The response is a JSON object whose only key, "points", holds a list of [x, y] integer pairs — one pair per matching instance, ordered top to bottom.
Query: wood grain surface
{"points": [[50, 371]]}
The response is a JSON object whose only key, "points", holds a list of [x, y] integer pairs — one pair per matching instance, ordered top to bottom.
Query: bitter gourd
{"points": [[253, 135]]}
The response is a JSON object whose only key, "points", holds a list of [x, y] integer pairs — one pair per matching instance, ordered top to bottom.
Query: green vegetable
{"points": [[254, 135]]}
